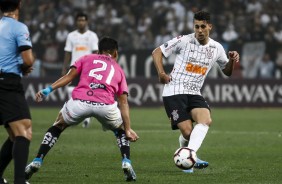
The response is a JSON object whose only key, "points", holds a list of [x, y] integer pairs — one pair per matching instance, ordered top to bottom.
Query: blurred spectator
{"points": [[132, 21], [61, 33], [229, 34], [163, 37], [266, 67], [37, 68]]}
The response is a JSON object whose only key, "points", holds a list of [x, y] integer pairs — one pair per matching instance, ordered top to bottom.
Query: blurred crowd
{"points": [[145, 24]]}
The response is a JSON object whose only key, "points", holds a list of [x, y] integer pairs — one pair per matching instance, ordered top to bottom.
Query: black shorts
{"points": [[13, 105], [178, 107]]}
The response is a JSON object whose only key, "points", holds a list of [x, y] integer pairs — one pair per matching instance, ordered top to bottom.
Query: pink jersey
{"points": [[101, 78]]}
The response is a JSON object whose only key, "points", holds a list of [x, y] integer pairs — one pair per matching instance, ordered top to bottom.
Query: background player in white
{"points": [[80, 42], [195, 55], [101, 80]]}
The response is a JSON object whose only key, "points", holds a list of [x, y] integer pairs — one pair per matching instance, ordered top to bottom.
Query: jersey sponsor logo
{"points": [[173, 45], [81, 48], [194, 68], [97, 86], [190, 86]]}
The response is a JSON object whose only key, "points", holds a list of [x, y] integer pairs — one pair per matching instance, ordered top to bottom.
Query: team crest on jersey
{"points": [[209, 53], [175, 115]]}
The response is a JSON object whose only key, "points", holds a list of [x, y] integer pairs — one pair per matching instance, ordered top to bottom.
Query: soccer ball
{"points": [[185, 158]]}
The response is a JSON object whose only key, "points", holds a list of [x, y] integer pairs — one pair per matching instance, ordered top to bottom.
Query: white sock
{"points": [[197, 136], [182, 141]]}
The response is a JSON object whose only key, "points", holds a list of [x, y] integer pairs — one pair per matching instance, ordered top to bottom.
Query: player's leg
{"points": [[71, 114], [202, 116], [110, 118], [203, 119], [85, 122], [18, 125], [185, 128], [21, 130], [199, 133], [49, 140], [5, 157]]}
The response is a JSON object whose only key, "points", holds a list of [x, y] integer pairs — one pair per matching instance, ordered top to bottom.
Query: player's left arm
{"points": [[234, 57], [28, 60], [66, 79], [124, 110]]}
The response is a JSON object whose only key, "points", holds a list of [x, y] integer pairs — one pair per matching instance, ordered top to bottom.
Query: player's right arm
{"points": [[67, 59], [158, 61], [66, 79]]}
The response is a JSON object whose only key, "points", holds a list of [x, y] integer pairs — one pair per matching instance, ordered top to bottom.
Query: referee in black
{"points": [[16, 60]]}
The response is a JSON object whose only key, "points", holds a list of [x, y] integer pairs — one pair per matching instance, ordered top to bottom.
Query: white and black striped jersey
{"points": [[192, 63]]}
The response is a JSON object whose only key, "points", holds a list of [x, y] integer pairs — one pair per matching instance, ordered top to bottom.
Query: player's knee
{"points": [[208, 122], [62, 126], [28, 129], [29, 134], [186, 134]]}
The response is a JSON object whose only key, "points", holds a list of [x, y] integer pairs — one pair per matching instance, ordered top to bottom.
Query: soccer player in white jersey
{"points": [[80, 42], [195, 55], [101, 80]]}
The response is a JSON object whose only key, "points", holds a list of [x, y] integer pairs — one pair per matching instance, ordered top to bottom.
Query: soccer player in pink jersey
{"points": [[79, 42], [195, 54], [101, 79]]}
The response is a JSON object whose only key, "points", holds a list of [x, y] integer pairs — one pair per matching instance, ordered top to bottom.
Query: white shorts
{"points": [[74, 111]]}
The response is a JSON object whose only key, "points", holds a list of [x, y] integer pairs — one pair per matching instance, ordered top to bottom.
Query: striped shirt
{"points": [[80, 44], [192, 63]]}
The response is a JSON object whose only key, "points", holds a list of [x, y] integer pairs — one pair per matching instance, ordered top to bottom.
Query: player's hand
{"points": [[234, 56], [26, 70], [164, 78], [43, 93], [131, 135]]}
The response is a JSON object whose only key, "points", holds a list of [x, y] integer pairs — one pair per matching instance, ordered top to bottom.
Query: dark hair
{"points": [[9, 5], [81, 14], [202, 15], [107, 44]]}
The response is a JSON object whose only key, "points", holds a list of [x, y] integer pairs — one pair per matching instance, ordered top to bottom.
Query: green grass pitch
{"points": [[242, 146]]}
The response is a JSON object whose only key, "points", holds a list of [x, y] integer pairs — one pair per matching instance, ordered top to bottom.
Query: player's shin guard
{"points": [[197, 136], [50, 138], [123, 143], [5, 155]]}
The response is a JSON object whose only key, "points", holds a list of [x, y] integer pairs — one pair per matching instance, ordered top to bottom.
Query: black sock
{"points": [[50, 138], [123, 143], [5, 155], [20, 155]]}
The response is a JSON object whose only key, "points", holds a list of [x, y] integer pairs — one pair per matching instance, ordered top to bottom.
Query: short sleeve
{"points": [[23, 36], [68, 46], [94, 46], [171, 46], [222, 57], [78, 64], [123, 88]]}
